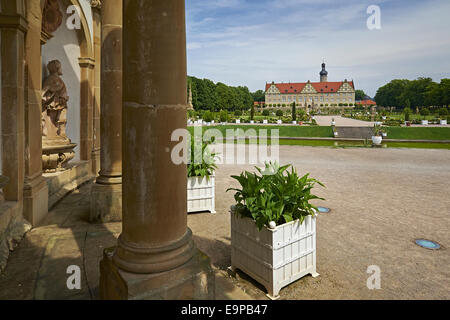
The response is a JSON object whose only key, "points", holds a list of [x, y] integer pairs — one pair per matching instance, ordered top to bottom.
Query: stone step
{"points": [[354, 132]]}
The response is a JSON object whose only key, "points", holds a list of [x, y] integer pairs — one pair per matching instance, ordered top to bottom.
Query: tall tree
{"points": [[360, 95]]}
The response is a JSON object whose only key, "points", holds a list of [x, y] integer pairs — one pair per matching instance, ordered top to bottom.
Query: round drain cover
{"points": [[323, 210], [428, 244]]}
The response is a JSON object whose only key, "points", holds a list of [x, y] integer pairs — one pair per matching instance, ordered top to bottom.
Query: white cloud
{"points": [[253, 48]]}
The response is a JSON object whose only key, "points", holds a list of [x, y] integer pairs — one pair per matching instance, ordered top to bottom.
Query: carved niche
{"points": [[52, 16], [56, 146]]}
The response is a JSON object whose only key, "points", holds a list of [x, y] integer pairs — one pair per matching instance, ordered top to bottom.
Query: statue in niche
{"points": [[54, 103], [56, 146]]}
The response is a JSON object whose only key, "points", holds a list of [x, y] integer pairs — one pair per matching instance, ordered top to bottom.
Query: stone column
{"points": [[13, 28], [97, 33], [87, 65], [35, 187], [106, 201], [155, 257]]}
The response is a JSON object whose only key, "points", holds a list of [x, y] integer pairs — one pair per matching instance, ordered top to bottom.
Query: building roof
{"points": [[320, 87], [366, 103]]}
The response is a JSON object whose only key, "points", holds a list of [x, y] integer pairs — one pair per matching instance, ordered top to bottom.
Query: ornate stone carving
{"points": [[97, 4], [52, 16], [57, 147]]}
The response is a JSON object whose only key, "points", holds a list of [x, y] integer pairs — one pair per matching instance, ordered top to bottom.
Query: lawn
{"points": [[285, 131], [404, 133], [421, 133]]}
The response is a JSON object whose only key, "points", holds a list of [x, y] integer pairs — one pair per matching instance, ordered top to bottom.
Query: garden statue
{"points": [[57, 147]]}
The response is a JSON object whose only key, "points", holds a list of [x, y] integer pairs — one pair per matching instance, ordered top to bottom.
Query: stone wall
{"points": [[12, 229]]}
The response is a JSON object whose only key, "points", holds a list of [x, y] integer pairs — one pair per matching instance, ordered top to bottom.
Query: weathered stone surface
{"points": [[63, 182], [106, 203], [12, 230], [195, 280]]}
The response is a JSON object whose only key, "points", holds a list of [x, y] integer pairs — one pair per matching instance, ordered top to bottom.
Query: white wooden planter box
{"points": [[238, 121], [252, 121], [265, 121], [279, 122], [424, 122], [443, 122], [377, 140], [201, 194], [275, 258]]}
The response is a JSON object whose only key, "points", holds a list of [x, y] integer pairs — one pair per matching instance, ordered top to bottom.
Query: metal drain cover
{"points": [[323, 210], [428, 244]]}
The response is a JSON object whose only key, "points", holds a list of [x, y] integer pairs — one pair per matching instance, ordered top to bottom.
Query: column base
{"points": [[35, 200], [106, 203], [195, 280]]}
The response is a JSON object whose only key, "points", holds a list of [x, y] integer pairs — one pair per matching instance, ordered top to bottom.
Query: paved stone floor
{"points": [[342, 122], [381, 200]]}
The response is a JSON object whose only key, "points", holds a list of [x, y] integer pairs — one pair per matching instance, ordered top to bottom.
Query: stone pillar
{"points": [[13, 28], [97, 33], [87, 65], [35, 186], [106, 201], [155, 257]]}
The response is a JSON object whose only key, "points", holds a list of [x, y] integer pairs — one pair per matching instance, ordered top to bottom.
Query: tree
{"points": [[389, 94], [360, 95], [259, 96], [294, 112], [407, 112], [424, 112], [443, 112], [252, 113], [266, 113], [279, 113], [208, 116], [223, 116]]}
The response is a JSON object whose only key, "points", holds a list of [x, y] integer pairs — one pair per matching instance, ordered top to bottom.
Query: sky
{"points": [[251, 42]]}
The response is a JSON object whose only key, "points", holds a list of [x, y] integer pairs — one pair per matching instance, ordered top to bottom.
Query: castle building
{"points": [[311, 94]]}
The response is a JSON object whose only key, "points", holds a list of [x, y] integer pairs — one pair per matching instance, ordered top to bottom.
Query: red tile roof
{"points": [[325, 87], [366, 103]]}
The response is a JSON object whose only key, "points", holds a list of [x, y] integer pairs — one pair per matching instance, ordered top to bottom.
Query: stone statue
{"points": [[54, 103], [57, 147]]}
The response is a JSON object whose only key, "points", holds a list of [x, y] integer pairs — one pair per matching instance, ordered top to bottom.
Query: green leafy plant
{"points": [[294, 112], [223, 116], [378, 130], [207, 166], [274, 194]]}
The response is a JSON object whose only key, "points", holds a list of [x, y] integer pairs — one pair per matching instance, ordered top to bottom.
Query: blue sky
{"points": [[249, 42]]}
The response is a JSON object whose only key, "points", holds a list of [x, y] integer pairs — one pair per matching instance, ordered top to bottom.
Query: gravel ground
{"points": [[342, 122], [381, 201]]}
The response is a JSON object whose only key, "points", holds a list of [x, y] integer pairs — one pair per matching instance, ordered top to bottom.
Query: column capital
{"points": [[15, 21], [86, 62]]}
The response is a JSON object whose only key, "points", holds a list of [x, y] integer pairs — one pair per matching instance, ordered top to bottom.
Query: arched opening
{"points": [[68, 44]]}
